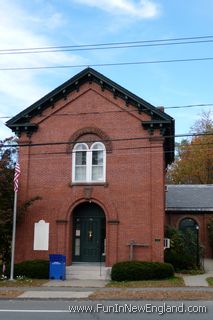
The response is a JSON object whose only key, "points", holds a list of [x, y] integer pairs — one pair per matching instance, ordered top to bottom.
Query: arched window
{"points": [[98, 161], [80, 162], [89, 164], [188, 224]]}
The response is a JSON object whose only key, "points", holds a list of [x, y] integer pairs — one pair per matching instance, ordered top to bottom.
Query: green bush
{"points": [[210, 233], [182, 253], [179, 261], [34, 269], [141, 270]]}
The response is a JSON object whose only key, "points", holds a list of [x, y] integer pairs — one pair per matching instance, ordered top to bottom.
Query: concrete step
{"points": [[87, 272]]}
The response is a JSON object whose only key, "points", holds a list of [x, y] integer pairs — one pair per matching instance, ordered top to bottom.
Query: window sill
{"points": [[104, 184]]}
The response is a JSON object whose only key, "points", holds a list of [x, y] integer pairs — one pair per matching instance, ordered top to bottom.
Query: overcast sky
{"points": [[42, 23]]}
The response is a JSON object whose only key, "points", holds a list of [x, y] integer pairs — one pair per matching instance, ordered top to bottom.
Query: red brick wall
{"points": [[133, 195], [173, 219]]}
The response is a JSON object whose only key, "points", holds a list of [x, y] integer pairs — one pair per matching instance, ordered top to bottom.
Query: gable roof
{"points": [[159, 119], [189, 197]]}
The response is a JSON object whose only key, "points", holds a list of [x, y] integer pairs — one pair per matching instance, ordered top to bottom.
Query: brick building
{"points": [[96, 155], [191, 206]]}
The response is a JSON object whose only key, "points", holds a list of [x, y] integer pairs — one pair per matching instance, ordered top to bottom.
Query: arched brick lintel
{"points": [[90, 130]]}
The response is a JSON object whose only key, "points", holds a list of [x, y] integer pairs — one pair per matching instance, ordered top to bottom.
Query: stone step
{"points": [[85, 267], [87, 272]]}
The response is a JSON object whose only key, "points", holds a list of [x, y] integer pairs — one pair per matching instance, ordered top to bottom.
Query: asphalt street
{"points": [[150, 310]]}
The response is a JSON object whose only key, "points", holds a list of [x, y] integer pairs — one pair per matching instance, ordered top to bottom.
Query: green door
{"points": [[88, 233]]}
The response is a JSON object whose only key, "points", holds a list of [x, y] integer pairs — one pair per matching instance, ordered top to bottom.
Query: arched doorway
{"points": [[188, 224], [190, 228], [89, 233]]}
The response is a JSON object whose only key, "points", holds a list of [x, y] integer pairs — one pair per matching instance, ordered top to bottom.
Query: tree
{"points": [[8, 150], [8, 158], [194, 160], [6, 207], [210, 233]]}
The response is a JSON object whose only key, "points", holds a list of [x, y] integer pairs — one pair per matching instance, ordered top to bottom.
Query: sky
{"points": [[42, 23]]}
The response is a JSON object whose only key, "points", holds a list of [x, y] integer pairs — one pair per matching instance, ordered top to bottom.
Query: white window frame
{"points": [[89, 152], [74, 160], [104, 160]]}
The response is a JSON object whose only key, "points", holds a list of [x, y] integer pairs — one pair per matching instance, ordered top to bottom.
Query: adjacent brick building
{"points": [[96, 155], [191, 206]]}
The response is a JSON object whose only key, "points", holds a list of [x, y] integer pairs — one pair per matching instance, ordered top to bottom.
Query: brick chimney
{"points": [[161, 108]]}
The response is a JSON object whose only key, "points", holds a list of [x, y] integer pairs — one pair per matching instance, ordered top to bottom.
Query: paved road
{"points": [[58, 310]]}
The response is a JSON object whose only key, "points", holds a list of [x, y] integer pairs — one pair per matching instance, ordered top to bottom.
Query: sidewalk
{"points": [[200, 280], [70, 289], [82, 289], [63, 290], [85, 293]]}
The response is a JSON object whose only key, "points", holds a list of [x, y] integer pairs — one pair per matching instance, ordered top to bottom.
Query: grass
{"points": [[192, 272], [210, 281], [171, 282], [18, 283], [22, 283], [9, 294], [151, 295]]}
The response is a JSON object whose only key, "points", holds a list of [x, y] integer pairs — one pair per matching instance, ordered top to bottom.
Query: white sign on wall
{"points": [[41, 235]]}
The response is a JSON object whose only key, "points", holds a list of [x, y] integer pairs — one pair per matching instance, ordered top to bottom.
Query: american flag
{"points": [[16, 176]]}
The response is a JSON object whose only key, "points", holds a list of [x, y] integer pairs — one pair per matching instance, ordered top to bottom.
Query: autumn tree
{"points": [[8, 158], [194, 159], [6, 198]]}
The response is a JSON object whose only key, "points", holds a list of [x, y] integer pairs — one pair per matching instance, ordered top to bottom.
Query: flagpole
{"points": [[15, 180], [13, 236]]}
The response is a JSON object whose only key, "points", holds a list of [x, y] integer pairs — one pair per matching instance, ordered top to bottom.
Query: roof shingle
{"points": [[189, 198]]}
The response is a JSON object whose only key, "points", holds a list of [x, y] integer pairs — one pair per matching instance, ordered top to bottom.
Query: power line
{"points": [[108, 44], [104, 48], [107, 64], [191, 106], [119, 111], [130, 111], [107, 140], [152, 151], [62, 155]]}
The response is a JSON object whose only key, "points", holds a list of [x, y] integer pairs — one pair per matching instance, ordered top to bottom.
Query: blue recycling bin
{"points": [[57, 268]]}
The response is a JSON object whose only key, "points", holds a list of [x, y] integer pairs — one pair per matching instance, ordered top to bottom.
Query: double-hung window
{"points": [[80, 160], [89, 164]]}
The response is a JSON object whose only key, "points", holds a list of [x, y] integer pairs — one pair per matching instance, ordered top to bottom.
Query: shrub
{"points": [[210, 233], [182, 253], [179, 261], [35, 269], [141, 270]]}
